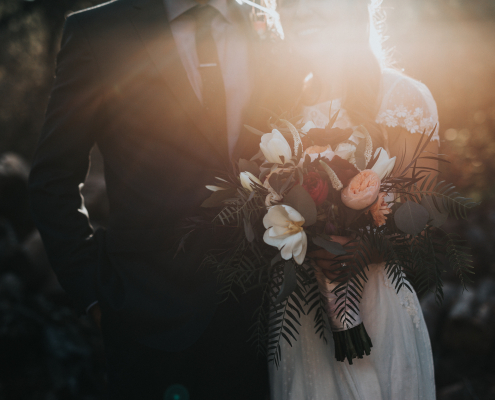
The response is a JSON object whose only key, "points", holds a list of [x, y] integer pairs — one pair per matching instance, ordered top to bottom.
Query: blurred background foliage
{"points": [[447, 44]]}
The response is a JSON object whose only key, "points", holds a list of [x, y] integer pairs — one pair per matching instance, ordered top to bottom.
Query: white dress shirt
{"points": [[233, 54]]}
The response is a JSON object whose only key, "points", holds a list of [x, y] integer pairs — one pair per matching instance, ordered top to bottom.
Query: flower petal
{"points": [[273, 145], [214, 188], [293, 214], [276, 216], [277, 231], [275, 242], [297, 248], [286, 251], [299, 258]]}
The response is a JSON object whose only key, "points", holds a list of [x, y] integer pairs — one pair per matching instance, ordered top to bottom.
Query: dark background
{"points": [[48, 351]]}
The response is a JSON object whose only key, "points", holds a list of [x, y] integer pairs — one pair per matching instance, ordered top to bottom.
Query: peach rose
{"points": [[362, 190], [379, 210]]}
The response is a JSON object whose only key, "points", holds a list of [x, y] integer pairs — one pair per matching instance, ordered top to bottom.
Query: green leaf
{"points": [[254, 130], [359, 155], [258, 156], [249, 166], [276, 183], [217, 198], [299, 199], [438, 214], [411, 217], [248, 230], [332, 247], [276, 259], [289, 283]]}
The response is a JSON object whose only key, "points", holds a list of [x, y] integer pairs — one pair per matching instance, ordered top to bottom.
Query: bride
{"points": [[338, 43]]}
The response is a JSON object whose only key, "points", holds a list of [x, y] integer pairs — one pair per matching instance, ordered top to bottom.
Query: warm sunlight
{"points": [[247, 199]]}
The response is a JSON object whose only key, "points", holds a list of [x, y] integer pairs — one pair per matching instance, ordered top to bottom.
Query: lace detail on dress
{"points": [[407, 103], [413, 121], [406, 299]]}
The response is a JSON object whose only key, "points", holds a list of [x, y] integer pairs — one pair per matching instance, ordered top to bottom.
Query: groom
{"points": [[163, 87]]}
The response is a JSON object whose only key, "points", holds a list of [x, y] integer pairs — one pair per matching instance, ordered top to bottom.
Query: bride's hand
{"points": [[326, 260]]}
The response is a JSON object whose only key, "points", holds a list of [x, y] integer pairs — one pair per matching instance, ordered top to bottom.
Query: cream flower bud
{"points": [[273, 145], [345, 151], [384, 165], [247, 179], [214, 188]]}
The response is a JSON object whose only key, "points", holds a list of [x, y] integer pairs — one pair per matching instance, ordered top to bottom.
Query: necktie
{"points": [[213, 92]]}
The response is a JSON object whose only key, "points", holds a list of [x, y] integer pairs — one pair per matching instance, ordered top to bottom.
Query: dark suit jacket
{"points": [[120, 84]]}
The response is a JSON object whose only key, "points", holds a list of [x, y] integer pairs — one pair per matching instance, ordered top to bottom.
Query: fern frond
{"points": [[459, 259]]}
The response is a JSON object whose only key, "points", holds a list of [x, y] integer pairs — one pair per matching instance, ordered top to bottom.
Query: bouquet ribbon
{"points": [[349, 334]]}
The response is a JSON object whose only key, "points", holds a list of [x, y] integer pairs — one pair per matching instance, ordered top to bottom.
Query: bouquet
{"points": [[305, 185]]}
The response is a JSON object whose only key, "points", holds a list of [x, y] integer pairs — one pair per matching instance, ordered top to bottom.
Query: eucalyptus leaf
{"points": [[359, 155], [269, 165], [249, 166], [264, 173], [275, 182], [287, 182], [217, 198], [299, 199], [438, 213], [411, 217], [248, 230], [332, 247], [276, 259], [289, 284]]}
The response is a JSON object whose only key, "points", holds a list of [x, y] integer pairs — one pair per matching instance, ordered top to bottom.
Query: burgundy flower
{"points": [[343, 168], [316, 187]]}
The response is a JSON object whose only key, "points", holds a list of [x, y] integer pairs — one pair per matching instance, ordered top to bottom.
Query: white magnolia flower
{"points": [[273, 145], [345, 151], [384, 165], [247, 179], [285, 231]]}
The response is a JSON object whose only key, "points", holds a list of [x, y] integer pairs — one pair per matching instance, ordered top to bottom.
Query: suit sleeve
{"points": [[61, 164]]}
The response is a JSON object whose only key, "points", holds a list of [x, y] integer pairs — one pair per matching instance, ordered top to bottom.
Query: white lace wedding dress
{"points": [[400, 365]]}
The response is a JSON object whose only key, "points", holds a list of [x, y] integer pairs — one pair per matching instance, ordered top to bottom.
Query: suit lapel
{"points": [[150, 20], [248, 143]]}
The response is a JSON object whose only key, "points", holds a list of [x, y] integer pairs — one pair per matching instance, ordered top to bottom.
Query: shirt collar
{"points": [[176, 8]]}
